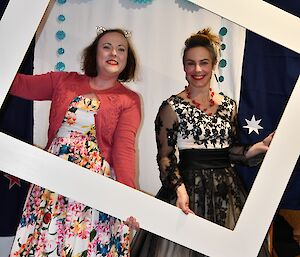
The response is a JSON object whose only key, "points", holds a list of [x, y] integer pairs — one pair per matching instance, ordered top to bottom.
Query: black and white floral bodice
{"points": [[180, 125], [198, 130]]}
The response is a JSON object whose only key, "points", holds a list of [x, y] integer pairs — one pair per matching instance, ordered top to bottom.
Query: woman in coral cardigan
{"points": [[93, 123]]}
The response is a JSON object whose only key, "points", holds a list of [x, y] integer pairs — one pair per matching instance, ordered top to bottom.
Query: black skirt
{"points": [[215, 193]]}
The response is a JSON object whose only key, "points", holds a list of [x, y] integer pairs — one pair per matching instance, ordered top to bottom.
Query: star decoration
{"points": [[253, 125], [13, 181]]}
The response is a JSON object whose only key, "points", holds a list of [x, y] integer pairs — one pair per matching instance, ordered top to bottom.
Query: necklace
{"points": [[197, 104]]}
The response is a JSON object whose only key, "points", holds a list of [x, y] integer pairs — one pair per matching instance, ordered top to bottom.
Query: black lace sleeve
{"points": [[166, 129], [238, 151]]}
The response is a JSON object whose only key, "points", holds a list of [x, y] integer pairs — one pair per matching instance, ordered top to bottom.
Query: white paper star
{"points": [[253, 125]]}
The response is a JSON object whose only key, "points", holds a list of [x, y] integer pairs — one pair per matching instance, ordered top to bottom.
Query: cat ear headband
{"points": [[101, 29]]}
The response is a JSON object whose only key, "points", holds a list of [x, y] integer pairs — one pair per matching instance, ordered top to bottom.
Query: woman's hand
{"points": [[267, 141], [260, 147], [183, 199], [132, 223]]}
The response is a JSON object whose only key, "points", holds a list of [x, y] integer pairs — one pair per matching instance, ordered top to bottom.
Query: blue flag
{"points": [[269, 74], [16, 119]]}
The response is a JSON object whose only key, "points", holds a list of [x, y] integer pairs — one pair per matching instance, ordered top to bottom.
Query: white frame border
{"points": [[154, 215]]}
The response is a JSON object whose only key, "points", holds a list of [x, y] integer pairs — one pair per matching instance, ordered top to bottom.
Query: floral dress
{"points": [[207, 147], [54, 225]]}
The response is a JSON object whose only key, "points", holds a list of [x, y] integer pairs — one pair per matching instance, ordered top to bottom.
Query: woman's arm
{"points": [[35, 87], [166, 129], [124, 143], [260, 147]]}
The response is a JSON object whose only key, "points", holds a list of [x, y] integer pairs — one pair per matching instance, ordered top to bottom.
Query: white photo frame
{"points": [[39, 167]]}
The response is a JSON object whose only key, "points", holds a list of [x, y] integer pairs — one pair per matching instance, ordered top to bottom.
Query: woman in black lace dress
{"points": [[202, 125]]}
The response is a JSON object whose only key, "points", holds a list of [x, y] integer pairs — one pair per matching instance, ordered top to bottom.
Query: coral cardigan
{"points": [[117, 121]]}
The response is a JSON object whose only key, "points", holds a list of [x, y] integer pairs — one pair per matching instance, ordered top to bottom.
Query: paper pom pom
{"points": [[60, 35], [60, 66]]}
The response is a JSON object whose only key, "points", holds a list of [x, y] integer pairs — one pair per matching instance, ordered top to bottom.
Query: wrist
{"points": [[180, 190]]}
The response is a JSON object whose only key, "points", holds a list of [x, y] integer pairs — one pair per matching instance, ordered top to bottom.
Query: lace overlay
{"points": [[181, 125], [207, 147]]}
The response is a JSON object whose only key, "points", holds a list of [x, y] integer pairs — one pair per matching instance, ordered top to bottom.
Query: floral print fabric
{"points": [[53, 225]]}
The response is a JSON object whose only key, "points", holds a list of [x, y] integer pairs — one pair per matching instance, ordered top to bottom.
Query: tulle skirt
{"points": [[215, 193]]}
